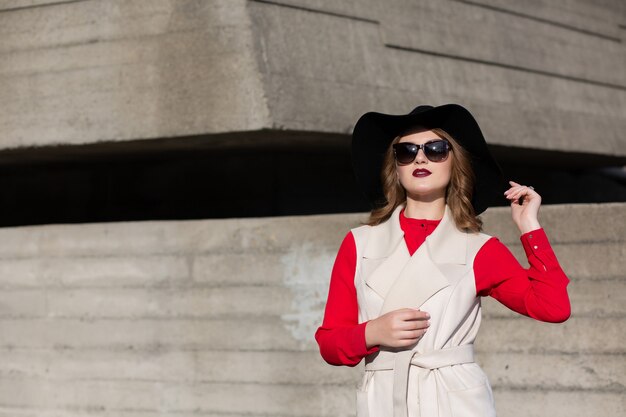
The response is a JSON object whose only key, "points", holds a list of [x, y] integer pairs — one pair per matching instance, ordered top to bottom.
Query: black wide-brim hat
{"points": [[374, 132]]}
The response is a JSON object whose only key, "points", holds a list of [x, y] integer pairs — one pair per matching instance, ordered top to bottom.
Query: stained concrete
{"points": [[92, 71], [536, 76], [216, 317]]}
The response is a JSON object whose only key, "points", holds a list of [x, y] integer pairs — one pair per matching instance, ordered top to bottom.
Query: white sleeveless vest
{"points": [[437, 377]]}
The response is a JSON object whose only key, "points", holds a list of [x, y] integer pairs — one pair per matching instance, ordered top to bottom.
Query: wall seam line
{"points": [[36, 6], [309, 9], [542, 20], [507, 66]]}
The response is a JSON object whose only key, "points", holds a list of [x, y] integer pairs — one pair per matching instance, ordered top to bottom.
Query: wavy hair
{"points": [[458, 192]]}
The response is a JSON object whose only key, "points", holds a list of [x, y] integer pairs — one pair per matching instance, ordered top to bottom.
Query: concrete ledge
{"points": [[134, 317]]}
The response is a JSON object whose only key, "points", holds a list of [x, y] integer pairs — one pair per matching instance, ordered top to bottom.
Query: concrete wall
{"points": [[77, 72], [537, 74], [532, 79], [216, 318]]}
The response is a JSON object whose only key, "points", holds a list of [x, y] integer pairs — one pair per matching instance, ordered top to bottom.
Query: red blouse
{"points": [[539, 292]]}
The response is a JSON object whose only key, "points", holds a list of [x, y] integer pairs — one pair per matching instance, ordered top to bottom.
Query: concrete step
{"points": [[580, 223], [218, 236], [34, 271], [589, 298], [148, 303], [128, 317], [146, 334], [497, 335], [577, 335], [231, 366], [537, 371], [594, 372], [205, 398], [278, 399], [531, 403]]}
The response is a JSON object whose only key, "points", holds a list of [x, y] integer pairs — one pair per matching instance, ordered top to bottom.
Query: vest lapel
{"points": [[385, 254], [380, 272], [419, 280], [409, 281]]}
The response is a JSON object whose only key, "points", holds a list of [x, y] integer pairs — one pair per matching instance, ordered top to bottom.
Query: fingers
{"points": [[517, 187], [518, 192], [413, 314], [413, 320], [413, 325], [405, 326], [413, 335], [407, 338], [410, 338]]}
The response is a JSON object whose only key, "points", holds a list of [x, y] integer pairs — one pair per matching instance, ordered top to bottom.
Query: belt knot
{"points": [[400, 362]]}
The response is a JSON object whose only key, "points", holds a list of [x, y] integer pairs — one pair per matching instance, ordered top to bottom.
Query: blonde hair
{"points": [[458, 192]]}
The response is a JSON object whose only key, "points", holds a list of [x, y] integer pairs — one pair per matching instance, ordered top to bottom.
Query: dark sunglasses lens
{"points": [[436, 151], [405, 152]]}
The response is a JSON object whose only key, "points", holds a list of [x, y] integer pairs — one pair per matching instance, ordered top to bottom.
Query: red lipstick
{"points": [[421, 172]]}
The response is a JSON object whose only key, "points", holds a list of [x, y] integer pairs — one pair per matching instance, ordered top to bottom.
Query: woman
{"points": [[405, 288]]}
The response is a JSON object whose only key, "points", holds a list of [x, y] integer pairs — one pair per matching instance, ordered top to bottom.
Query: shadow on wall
{"points": [[118, 183]]}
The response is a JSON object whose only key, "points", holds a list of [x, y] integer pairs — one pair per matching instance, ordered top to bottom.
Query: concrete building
{"points": [[177, 180]]}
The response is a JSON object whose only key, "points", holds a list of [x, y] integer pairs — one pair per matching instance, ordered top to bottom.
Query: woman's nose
{"points": [[420, 158]]}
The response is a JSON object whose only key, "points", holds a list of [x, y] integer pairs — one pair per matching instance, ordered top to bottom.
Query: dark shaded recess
{"points": [[243, 175]]}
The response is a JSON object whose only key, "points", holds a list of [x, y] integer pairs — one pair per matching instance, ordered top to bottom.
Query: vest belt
{"points": [[400, 363]]}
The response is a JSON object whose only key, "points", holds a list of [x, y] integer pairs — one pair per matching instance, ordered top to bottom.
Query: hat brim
{"points": [[374, 132]]}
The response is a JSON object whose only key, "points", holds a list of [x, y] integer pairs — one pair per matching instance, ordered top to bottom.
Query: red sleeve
{"points": [[539, 292], [340, 337]]}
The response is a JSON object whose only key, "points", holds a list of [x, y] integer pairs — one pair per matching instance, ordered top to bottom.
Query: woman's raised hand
{"points": [[525, 214], [398, 328]]}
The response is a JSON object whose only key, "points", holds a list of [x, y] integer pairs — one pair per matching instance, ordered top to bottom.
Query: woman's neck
{"points": [[433, 210]]}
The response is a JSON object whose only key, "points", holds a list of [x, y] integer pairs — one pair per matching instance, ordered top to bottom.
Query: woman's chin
{"points": [[426, 194]]}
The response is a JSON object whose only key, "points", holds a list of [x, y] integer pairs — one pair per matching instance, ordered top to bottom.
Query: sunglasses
{"points": [[436, 150]]}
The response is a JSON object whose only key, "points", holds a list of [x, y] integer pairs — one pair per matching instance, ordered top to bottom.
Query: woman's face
{"points": [[423, 179]]}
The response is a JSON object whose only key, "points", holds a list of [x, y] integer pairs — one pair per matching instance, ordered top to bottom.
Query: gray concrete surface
{"points": [[91, 71], [81, 72], [526, 80], [216, 318]]}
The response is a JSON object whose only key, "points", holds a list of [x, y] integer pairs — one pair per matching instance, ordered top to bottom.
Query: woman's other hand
{"points": [[524, 214], [398, 328]]}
